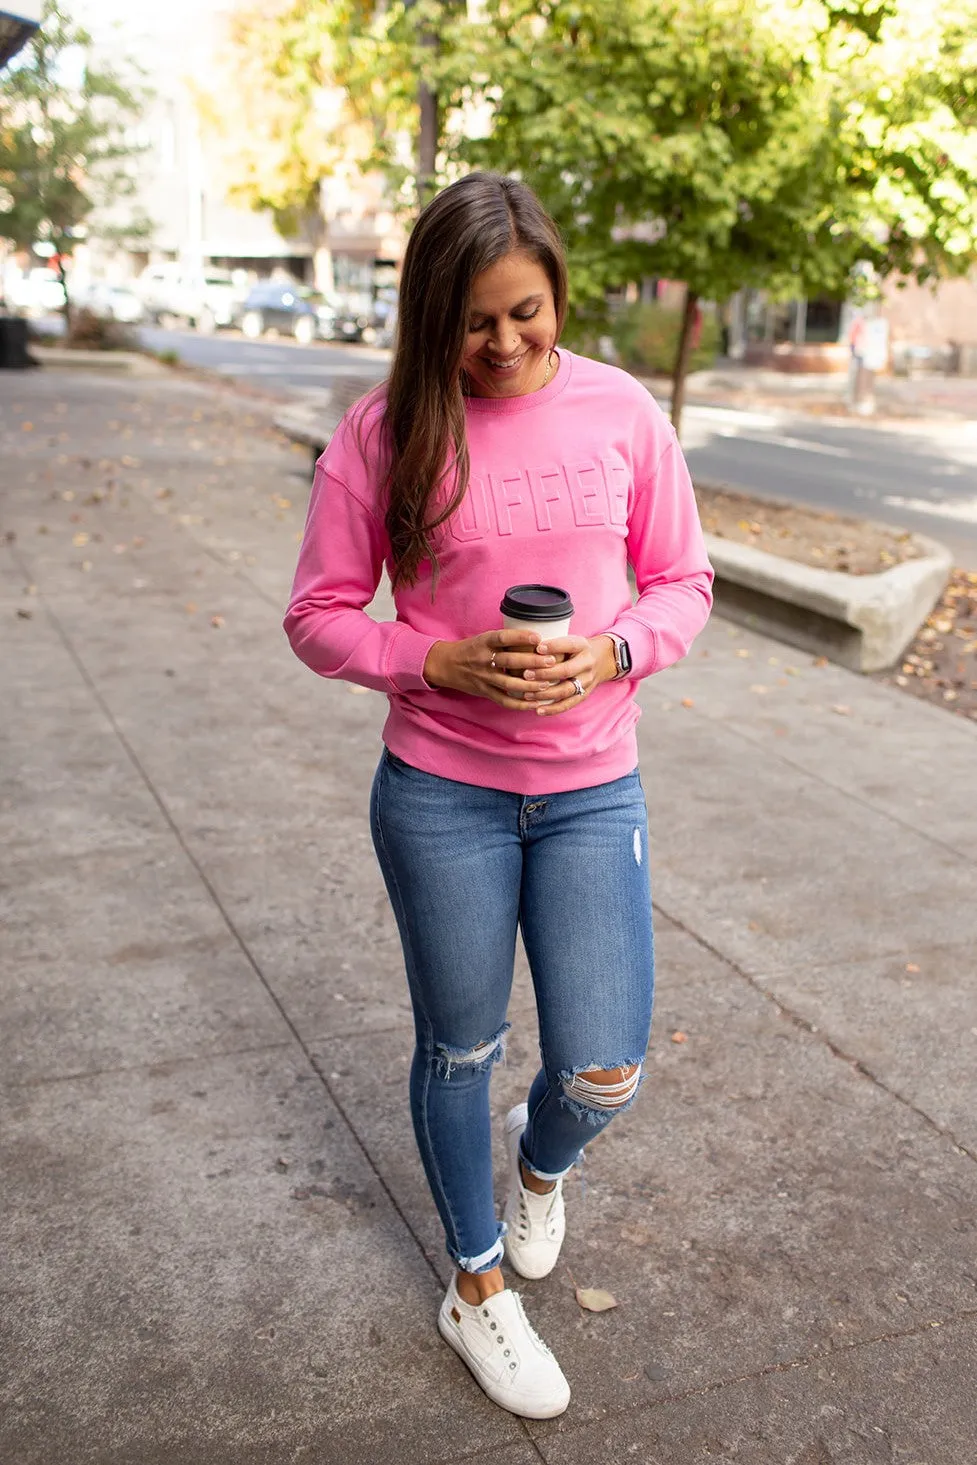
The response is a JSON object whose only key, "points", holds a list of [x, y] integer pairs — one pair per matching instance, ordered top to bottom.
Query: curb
{"points": [[136, 363], [313, 421], [863, 622]]}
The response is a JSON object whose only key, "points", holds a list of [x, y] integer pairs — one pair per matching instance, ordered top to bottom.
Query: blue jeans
{"points": [[464, 868]]}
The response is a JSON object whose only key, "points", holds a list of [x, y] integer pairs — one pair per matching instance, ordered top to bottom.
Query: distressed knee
{"points": [[478, 1058], [604, 1088]]}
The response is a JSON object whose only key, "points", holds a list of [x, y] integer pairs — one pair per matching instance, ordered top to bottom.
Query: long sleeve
{"points": [[339, 568], [672, 570]]}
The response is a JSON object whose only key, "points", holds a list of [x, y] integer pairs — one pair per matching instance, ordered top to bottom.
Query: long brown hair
{"points": [[462, 231]]}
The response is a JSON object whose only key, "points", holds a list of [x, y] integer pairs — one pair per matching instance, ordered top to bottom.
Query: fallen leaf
{"points": [[79, 540], [25, 615], [217, 622], [742, 652], [820, 661], [758, 688], [687, 702], [841, 709], [911, 966], [680, 1037], [595, 1299]]}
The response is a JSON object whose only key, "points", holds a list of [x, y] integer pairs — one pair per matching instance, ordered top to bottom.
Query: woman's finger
{"points": [[564, 645], [520, 661], [564, 671], [563, 695], [565, 704]]}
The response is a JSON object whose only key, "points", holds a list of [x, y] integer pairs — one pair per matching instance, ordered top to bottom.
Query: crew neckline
{"points": [[526, 401]]}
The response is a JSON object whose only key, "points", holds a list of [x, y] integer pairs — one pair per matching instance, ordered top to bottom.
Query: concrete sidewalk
{"points": [[917, 400], [216, 1245]]}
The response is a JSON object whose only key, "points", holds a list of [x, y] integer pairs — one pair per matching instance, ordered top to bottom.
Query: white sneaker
{"points": [[537, 1223], [512, 1364]]}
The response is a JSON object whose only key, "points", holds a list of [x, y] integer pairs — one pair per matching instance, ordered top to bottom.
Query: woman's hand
{"points": [[587, 662], [491, 665], [513, 669]]}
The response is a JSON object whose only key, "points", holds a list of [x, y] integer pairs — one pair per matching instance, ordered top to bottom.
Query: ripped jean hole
{"points": [[479, 1058], [602, 1095]]}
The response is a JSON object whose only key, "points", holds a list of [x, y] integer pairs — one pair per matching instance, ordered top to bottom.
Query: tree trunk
{"points": [[427, 142], [66, 307], [681, 369]]}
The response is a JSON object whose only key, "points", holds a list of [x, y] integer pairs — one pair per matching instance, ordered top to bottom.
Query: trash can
{"points": [[13, 342]]}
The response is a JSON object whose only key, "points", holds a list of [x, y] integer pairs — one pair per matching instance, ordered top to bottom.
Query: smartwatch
{"points": [[622, 654]]}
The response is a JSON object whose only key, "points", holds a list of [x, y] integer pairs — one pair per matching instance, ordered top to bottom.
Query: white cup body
{"points": [[547, 629]]}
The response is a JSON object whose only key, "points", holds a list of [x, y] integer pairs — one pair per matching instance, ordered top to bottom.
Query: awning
{"points": [[18, 22]]}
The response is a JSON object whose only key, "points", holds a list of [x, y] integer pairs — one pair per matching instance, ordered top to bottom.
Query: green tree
{"points": [[305, 88], [727, 143], [67, 144], [776, 144]]}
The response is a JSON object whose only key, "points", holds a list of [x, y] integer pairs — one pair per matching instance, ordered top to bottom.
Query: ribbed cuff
{"points": [[406, 654]]}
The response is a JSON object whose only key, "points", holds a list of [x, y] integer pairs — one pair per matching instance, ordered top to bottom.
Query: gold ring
{"points": [[492, 662]]}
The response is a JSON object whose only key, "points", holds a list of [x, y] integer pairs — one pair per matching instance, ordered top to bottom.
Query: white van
{"points": [[174, 296]]}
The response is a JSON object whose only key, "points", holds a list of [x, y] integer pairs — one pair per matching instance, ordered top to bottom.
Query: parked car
{"points": [[36, 292], [173, 295], [113, 302], [287, 307], [353, 319]]}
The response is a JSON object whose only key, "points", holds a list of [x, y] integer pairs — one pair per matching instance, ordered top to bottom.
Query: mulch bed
{"points": [[941, 663]]}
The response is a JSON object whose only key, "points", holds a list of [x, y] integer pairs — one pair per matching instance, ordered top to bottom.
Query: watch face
{"points": [[625, 657]]}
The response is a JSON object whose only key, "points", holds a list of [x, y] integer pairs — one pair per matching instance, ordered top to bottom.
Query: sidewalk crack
{"points": [[815, 1032]]}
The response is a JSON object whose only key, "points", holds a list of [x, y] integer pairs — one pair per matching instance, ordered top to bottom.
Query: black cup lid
{"points": [[536, 603]]}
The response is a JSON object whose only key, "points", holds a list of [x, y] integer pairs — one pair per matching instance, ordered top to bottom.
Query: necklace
{"points": [[549, 366]]}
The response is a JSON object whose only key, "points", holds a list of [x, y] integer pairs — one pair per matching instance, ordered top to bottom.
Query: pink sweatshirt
{"points": [[568, 485]]}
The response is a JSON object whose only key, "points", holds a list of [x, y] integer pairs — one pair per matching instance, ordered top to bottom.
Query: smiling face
{"points": [[511, 328]]}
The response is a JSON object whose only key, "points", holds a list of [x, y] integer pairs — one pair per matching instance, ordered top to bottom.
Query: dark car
{"points": [[286, 307], [353, 319]]}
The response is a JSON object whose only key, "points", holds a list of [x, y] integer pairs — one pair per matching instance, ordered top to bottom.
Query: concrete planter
{"points": [[821, 357], [863, 622]]}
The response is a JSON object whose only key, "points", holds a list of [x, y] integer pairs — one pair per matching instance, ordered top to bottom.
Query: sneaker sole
{"points": [[494, 1391]]}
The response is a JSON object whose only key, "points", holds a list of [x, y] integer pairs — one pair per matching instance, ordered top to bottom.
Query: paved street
{"points": [[280, 366], [915, 475], [216, 1244]]}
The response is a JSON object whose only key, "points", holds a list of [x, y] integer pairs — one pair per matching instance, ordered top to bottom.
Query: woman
{"points": [[508, 793]]}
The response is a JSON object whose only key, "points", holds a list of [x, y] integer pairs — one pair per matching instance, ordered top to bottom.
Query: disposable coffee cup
{"points": [[543, 608]]}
